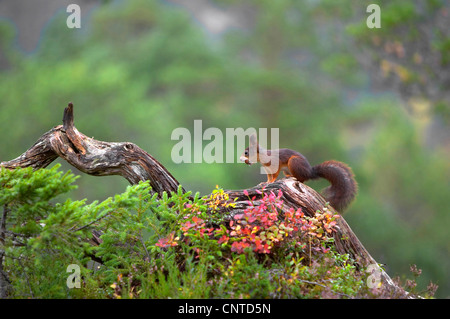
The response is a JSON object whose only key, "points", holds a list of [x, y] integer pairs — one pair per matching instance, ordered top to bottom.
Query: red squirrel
{"points": [[343, 187]]}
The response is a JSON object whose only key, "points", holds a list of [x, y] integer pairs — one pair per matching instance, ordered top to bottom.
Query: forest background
{"points": [[377, 99]]}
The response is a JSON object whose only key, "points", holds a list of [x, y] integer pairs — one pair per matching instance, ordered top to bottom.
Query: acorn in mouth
{"points": [[245, 160]]}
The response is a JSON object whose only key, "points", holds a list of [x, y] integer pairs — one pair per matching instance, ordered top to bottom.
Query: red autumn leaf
{"points": [[196, 220], [223, 239], [168, 241]]}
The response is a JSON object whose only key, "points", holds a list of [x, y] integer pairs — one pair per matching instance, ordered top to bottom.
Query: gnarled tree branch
{"points": [[95, 157]]}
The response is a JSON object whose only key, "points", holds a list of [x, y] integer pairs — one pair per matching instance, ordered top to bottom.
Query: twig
{"points": [[3, 223], [90, 223], [143, 244], [5, 283]]}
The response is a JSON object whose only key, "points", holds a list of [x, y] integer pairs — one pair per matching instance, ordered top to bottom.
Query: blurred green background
{"points": [[377, 99]]}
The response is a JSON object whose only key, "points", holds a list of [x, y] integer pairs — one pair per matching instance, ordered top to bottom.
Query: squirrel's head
{"points": [[251, 153], [245, 157]]}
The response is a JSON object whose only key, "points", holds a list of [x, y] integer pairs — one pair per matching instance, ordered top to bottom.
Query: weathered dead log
{"points": [[95, 157], [128, 160], [298, 195]]}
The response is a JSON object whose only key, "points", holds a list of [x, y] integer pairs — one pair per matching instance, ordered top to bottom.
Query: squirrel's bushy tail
{"points": [[343, 187]]}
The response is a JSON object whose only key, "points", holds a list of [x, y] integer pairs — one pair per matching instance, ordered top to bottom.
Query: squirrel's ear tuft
{"points": [[253, 139]]}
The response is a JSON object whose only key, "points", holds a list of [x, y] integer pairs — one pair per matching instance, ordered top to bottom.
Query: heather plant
{"points": [[180, 245]]}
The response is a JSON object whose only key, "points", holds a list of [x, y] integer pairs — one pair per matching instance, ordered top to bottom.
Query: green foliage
{"points": [[168, 247]]}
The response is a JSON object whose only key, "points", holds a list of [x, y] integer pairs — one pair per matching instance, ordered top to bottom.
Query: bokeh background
{"points": [[377, 99]]}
